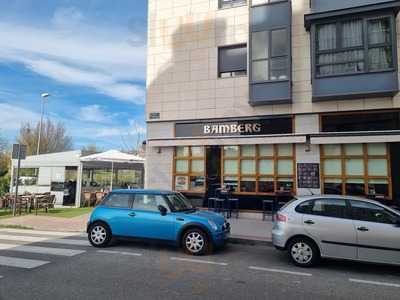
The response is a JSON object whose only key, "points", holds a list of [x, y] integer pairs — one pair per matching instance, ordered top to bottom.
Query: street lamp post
{"points": [[44, 96]]}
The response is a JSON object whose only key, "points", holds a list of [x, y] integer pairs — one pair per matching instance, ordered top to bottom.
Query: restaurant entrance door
{"points": [[213, 170]]}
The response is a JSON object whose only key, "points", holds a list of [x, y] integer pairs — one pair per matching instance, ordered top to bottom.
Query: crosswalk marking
{"points": [[40, 232], [22, 238], [35, 239], [69, 242], [41, 250], [21, 262]]}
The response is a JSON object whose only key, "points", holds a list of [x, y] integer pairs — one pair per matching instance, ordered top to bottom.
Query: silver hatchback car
{"points": [[341, 227]]}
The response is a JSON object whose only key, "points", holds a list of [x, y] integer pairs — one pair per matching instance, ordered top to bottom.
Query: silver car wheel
{"points": [[98, 235], [194, 242], [301, 253]]}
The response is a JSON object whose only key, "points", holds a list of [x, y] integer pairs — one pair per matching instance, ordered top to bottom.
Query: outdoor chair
{"points": [[89, 198], [99, 198], [45, 201], [233, 206], [267, 208]]}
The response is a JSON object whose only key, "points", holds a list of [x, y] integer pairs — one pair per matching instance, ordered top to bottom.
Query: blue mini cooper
{"points": [[157, 215]]}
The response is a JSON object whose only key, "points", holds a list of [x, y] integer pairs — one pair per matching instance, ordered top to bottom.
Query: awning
{"points": [[355, 139], [219, 141], [113, 156]]}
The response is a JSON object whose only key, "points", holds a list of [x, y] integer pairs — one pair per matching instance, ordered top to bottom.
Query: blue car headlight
{"points": [[213, 225]]}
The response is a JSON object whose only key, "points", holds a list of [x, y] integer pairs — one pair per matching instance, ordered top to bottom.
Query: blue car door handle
{"points": [[132, 214]]}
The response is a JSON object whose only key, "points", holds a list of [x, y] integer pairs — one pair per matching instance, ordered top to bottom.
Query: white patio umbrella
{"points": [[113, 156]]}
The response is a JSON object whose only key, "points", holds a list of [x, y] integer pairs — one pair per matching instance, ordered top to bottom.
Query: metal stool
{"points": [[211, 203], [219, 206], [233, 207], [265, 212]]}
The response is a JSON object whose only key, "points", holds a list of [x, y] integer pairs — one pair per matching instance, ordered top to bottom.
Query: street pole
{"points": [[44, 96], [17, 183]]}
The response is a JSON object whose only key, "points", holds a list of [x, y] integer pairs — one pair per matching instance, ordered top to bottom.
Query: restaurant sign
{"points": [[235, 128]]}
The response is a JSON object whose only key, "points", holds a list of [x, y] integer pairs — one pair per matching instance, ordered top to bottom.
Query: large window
{"points": [[231, 3], [354, 46], [232, 61], [270, 61], [364, 121], [189, 169], [262, 169], [356, 169], [27, 176]]}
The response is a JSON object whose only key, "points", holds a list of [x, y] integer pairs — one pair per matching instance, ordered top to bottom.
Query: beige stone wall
{"points": [[182, 77]]}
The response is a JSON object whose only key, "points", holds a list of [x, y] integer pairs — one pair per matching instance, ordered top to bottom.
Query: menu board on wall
{"points": [[308, 175], [181, 183]]}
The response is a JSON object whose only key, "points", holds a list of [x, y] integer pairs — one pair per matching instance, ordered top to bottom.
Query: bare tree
{"points": [[53, 138], [91, 149], [4, 157]]}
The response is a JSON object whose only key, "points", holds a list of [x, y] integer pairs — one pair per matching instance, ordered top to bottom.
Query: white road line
{"points": [[40, 232], [22, 238], [35, 239], [69, 242], [41, 250], [120, 252], [198, 261], [21, 262], [279, 271], [1, 277], [374, 282]]}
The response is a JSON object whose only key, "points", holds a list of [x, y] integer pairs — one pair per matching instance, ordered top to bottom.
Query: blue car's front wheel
{"points": [[99, 235], [196, 242]]}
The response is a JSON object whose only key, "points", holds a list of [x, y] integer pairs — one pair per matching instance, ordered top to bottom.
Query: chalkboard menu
{"points": [[308, 176]]}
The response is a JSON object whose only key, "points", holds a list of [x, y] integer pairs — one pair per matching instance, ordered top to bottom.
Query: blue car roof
{"points": [[147, 191]]}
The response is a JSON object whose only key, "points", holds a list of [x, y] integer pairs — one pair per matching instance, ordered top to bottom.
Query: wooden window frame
{"points": [[365, 157], [189, 174], [257, 176]]}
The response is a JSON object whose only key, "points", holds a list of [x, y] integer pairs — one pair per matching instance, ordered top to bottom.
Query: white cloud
{"points": [[67, 17], [75, 53], [103, 83], [94, 113], [12, 117], [128, 132]]}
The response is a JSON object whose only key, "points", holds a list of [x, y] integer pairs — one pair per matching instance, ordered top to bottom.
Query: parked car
{"points": [[157, 215], [340, 227]]}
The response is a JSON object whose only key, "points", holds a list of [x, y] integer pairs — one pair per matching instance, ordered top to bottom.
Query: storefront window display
{"points": [[356, 169]]}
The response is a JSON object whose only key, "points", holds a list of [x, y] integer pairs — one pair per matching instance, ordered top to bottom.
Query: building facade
{"points": [[266, 96]]}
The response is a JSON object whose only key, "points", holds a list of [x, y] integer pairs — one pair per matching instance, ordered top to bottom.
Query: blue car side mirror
{"points": [[163, 210]]}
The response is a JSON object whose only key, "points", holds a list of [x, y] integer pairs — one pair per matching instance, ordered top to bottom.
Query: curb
{"points": [[249, 242]]}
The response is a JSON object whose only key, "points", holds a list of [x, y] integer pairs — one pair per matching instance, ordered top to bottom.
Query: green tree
{"points": [[53, 139], [5, 163]]}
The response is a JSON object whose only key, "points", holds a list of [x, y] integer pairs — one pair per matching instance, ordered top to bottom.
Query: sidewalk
{"points": [[76, 224], [248, 231], [251, 231]]}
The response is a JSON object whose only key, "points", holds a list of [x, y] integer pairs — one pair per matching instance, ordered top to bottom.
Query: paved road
{"points": [[47, 265]]}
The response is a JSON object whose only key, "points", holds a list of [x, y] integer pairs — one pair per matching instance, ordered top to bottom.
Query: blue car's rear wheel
{"points": [[99, 235], [196, 242]]}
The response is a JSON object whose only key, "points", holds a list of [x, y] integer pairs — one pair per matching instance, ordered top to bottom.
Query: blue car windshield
{"points": [[179, 202]]}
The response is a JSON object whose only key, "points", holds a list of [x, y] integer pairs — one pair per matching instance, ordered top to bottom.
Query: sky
{"points": [[90, 56]]}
